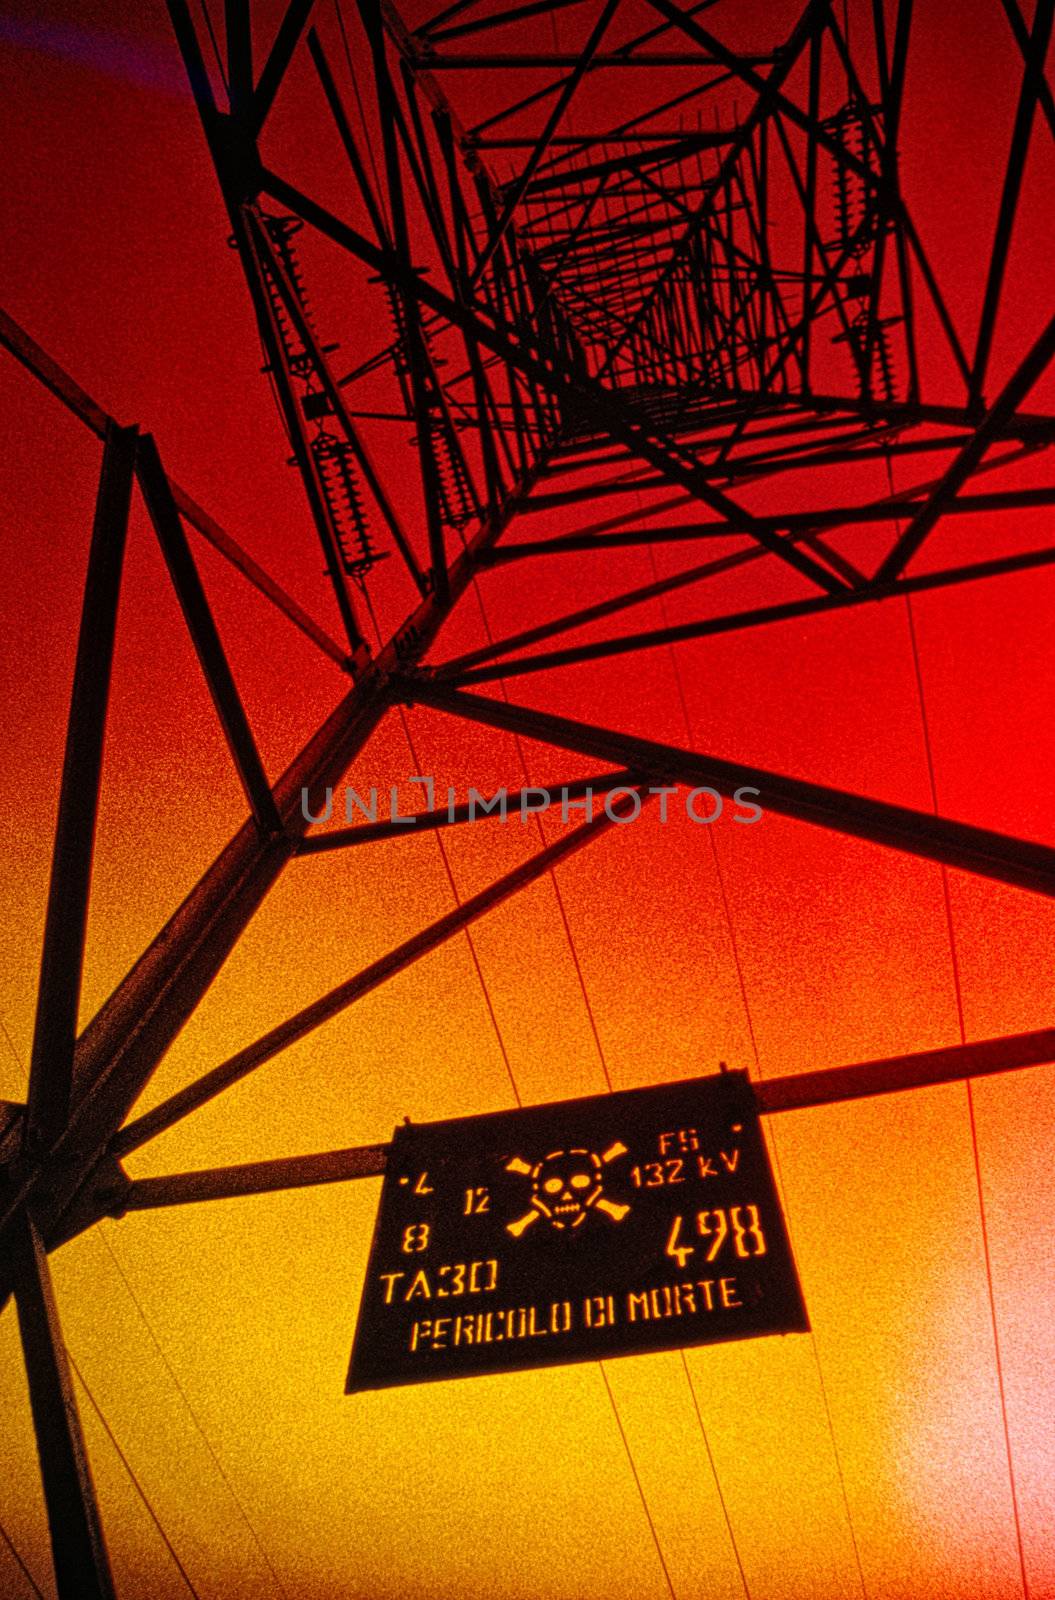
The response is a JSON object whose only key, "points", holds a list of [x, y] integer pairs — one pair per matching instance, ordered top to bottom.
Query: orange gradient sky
{"points": [[905, 1449]]}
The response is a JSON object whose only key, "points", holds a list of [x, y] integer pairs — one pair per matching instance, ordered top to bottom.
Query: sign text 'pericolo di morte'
{"points": [[642, 1220]]}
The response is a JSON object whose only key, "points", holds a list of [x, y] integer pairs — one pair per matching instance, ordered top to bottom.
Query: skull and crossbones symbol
{"points": [[565, 1186]]}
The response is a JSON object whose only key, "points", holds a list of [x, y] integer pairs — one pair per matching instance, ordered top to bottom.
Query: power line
{"points": [[215, 47], [367, 136], [552, 875], [454, 890], [954, 961], [577, 964], [742, 981], [98, 1230], [214, 1457], [714, 1473], [136, 1484], [640, 1487], [10, 1543]]}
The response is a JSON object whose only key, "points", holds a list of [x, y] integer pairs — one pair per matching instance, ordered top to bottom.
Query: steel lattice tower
{"points": [[661, 262]]}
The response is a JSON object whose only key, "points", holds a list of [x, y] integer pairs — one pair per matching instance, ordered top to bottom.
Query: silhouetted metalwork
{"points": [[707, 279]]}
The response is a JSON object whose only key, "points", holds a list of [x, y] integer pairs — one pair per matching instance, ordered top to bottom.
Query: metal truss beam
{"points": [[294, 21], [1032, 80], [625, 289], [1011, 396], [76, 400], [611, 407], [164, 514], [801, 522], [463, 671], [519, 802], [956, 844], [66, 922], [303, 1022], [119, 1050], [824, 1086], [78, 1547]]}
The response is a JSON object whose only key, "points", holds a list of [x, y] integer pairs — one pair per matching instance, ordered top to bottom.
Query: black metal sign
{"points": [[643, 1220]]}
